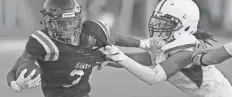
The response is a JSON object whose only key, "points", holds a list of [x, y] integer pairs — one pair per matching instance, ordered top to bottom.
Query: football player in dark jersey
{"points": [[64, 52]]}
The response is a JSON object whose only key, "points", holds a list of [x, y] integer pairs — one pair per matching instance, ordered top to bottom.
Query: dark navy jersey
{"points": [[62, 64]]}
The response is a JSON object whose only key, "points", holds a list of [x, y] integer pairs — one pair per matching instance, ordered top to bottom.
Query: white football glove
{"points": [[152, 43], [145, 44], [113, 53], [103, 64], [34, 82], [22, 83]]}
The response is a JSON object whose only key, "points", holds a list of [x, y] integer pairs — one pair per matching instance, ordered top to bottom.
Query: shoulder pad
{"points": [[185, 41], [41, 44]]}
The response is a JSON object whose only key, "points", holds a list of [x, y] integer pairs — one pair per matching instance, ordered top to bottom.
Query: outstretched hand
{"points": [[152, 43], [198, 51], [113, 53]]}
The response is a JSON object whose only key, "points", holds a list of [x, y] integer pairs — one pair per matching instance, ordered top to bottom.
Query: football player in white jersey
{"points": [[175, 23]]}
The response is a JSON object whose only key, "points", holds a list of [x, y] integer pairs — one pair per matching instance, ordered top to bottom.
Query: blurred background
{"points": [[20, 18]]}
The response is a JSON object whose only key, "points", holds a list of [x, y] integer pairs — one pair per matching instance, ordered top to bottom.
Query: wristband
{"points": [[203, 64]]}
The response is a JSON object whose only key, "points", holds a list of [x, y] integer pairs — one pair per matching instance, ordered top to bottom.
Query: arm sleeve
{"points": [[149, 75]]}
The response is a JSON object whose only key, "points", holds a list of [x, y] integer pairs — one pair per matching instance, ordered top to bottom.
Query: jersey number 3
{"points": [[73, 73]]}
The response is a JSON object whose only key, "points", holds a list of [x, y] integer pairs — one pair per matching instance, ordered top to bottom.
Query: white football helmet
{"points": [[171, 18]]}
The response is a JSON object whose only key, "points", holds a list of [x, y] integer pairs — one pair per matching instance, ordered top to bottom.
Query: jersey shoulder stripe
{"points": [[184, 42], [49, 46], [178, 48]]}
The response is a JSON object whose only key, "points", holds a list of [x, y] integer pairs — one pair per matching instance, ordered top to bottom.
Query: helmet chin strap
{"points": [[76, 41]]}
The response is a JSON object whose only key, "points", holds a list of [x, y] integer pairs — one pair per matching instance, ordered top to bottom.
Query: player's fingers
{"points": [[197, 45], [107, 47], [110, 47], [102, 49], [105, 50], [196, 50], [22, 73], [30, 75], [37, 78], [19, 81], [38, 81], [34, 82], [34, 85]]}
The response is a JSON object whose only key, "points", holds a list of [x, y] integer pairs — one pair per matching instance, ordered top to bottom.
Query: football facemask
{"points": [[163, 25], [67, 28]]}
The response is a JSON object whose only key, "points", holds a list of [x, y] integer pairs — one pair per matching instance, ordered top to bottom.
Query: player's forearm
{"points": [[125, 41], [215, 56], [142, 58], [115, 65], [12, 73], [149, 75], [10, 77]]}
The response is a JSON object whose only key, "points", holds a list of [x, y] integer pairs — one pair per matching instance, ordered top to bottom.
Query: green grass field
{"points": [[108, 82]]}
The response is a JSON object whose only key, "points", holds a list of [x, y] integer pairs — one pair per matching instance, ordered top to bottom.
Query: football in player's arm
{"points": [[212, 56], [22, 83]]}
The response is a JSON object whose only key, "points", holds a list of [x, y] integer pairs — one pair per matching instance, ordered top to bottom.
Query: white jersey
{"points": [[195, 80]]}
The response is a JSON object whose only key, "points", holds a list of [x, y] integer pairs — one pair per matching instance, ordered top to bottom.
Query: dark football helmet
{"points": [[63, 19]]}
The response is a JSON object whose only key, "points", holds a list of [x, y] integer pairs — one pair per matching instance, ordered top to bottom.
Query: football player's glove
{"points": [[94, 34], [152, 43], [113, 53], [198, 53], [103, 64], [23, 82], [34, 82]]}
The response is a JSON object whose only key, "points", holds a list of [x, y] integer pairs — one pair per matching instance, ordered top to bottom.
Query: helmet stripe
{"points": [[162, 5]]}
